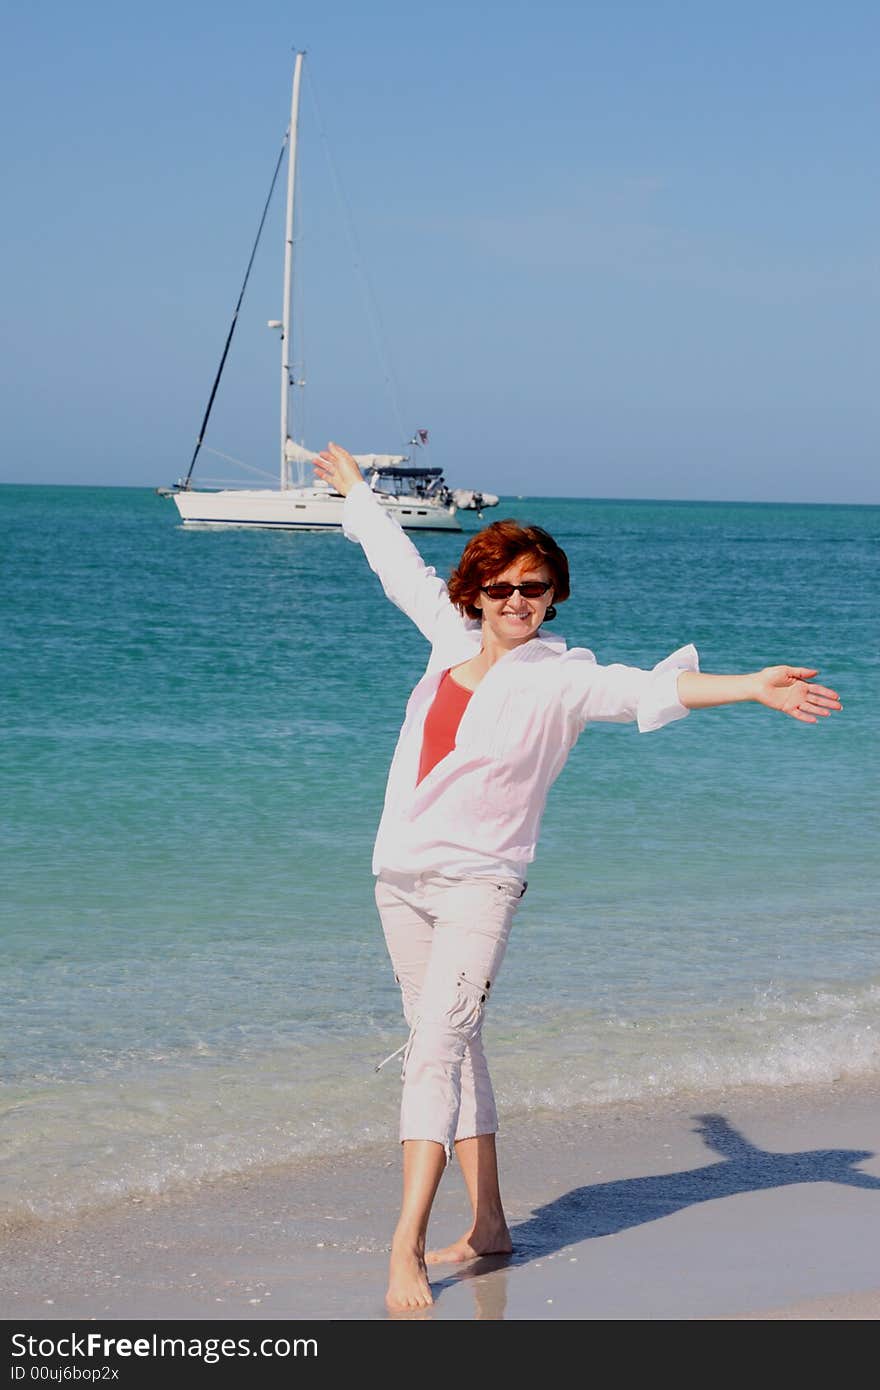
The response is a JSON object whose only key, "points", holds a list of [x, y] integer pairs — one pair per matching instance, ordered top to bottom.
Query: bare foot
{"points": [[490, 1240], [408, 1285]]}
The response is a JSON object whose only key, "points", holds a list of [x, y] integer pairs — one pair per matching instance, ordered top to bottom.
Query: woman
{"points": [[463, 806]]}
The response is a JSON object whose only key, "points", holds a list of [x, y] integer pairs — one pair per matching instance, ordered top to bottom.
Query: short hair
{"points": [[494, 548]]}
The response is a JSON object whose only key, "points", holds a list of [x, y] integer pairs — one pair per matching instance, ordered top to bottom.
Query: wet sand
{"points": [[748, 1204]]}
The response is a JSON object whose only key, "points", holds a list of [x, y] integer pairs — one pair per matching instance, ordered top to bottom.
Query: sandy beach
{"points": [[765, 1204]]}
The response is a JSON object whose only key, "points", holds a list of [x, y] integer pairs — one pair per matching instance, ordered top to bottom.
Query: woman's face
{"points": [[516, 619]]}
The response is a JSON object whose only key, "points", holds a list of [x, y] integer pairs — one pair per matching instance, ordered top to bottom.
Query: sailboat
{"points": [[417, 497]]}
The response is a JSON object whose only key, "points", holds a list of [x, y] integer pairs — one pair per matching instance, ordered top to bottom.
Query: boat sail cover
{"points": [[295, 453]]}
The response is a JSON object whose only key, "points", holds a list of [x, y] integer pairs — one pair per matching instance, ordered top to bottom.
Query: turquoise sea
{"points": [[196, 727]]}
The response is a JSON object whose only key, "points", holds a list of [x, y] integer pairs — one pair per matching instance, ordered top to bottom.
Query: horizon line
{"points": [[529, 497]]}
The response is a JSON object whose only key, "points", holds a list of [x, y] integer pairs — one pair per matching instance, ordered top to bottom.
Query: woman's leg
{"points": [[471, 923], [471, 931], [408, 936], [443, 1001], [477, 1113], [423, 1165], [488, 1233]]}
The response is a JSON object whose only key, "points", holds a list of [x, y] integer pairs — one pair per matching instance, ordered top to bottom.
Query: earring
{"points": [[550, 614]]}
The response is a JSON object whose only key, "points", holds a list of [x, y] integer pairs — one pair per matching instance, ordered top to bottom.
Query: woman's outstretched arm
{"points": [[336, 466], [411, 584], [676, 685], [788, 689]]}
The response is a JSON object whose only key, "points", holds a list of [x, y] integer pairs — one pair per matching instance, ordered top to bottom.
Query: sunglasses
{"points": [[533, 588]]}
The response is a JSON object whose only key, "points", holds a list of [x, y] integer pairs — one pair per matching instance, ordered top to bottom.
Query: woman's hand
{"points": [[337, 467], [788, 689]]}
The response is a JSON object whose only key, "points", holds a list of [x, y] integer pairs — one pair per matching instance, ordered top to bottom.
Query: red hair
{"points": [[494, 548]]}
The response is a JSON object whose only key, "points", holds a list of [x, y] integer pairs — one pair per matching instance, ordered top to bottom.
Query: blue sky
{"points": [[617, 249]]}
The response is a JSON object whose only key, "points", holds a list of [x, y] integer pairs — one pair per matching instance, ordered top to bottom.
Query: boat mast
{"points": [[286, 332]]}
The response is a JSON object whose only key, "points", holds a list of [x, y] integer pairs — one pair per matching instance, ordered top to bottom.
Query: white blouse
{"points": [[478, 812]]}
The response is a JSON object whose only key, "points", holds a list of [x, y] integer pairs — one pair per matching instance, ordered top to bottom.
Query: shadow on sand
{"points": [[602, 1209]]}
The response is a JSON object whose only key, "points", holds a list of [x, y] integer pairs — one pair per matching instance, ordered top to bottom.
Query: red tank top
{"points": [[441, 723]]}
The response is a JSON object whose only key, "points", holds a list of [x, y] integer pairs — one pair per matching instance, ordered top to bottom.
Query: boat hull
{"points": [[300, 509]]}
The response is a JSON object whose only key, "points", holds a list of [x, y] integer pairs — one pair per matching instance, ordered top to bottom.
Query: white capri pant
{"points": [[446, 938]]}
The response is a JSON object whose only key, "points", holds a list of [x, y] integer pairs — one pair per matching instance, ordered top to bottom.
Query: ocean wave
{"points": [[72, 1147]]}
